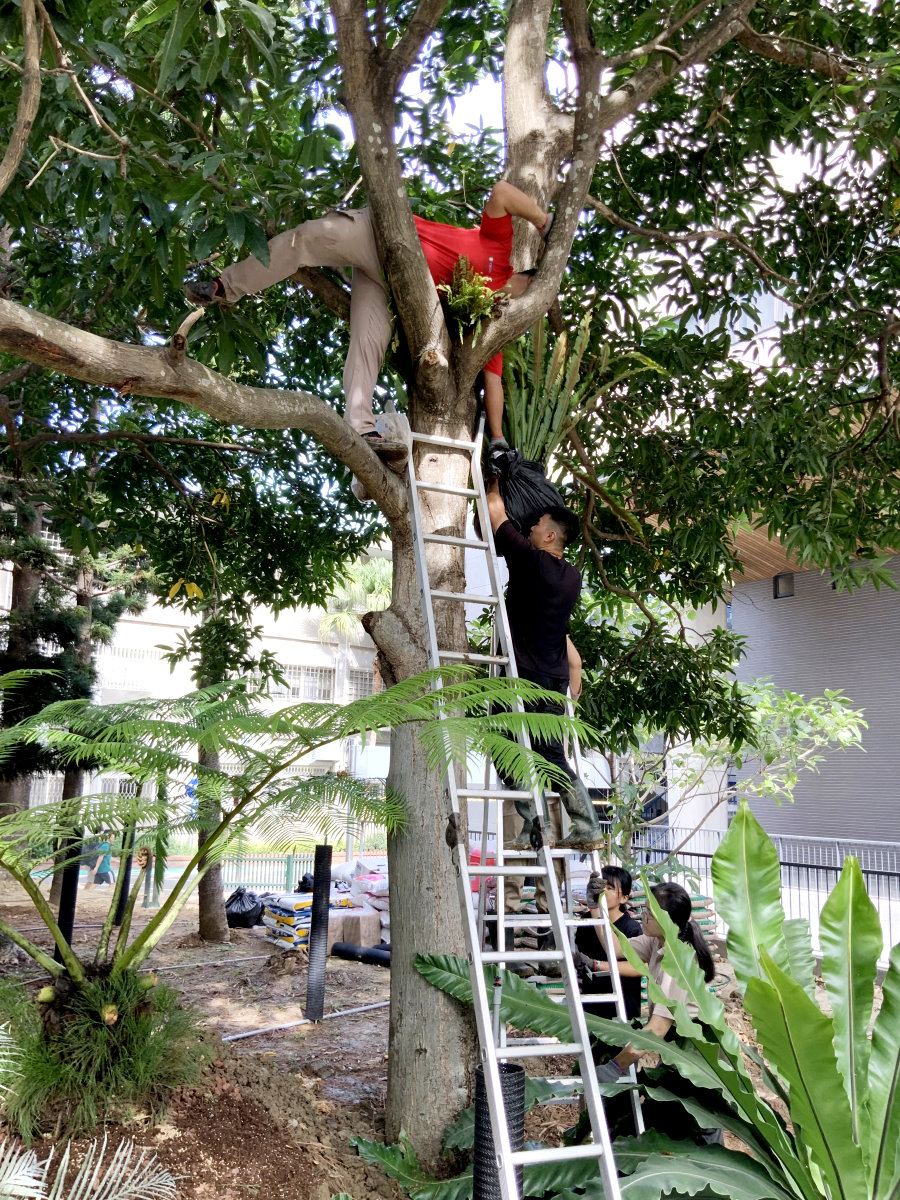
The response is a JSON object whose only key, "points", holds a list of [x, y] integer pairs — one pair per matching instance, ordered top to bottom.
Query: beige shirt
{"points": [[650, 951]]}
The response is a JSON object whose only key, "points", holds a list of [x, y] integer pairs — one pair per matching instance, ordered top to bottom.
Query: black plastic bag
{"points": [[524, 487], [305, 884], [243, 909]]}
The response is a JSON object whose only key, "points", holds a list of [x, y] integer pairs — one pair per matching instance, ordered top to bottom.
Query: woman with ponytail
{"points": [[649, 945]]}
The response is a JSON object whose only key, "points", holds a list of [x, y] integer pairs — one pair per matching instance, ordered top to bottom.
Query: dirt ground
{"points": [[274, 1113]]}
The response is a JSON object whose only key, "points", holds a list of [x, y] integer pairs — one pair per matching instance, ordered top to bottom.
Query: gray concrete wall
{"points": [[819, 639]]}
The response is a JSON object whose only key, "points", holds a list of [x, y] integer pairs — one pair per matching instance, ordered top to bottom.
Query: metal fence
{"points": [[810, 868], [266, 872]]}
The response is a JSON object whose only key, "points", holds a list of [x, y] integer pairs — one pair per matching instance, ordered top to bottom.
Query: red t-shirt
{"points": [[487, 248]]}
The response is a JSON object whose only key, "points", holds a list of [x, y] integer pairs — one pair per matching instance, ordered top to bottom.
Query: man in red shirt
{"points": [[347, 239]]}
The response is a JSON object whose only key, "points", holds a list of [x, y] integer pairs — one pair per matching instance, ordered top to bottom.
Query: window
{"points": [[783, 586], [124, 668], [306, 683], [359, 684]]}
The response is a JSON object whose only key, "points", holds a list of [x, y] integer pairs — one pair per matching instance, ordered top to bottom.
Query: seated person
{"points": [[591, 951], [665, 1117]]}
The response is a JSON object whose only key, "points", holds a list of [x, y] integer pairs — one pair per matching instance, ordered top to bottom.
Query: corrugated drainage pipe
{"points": [[485, 1176]]}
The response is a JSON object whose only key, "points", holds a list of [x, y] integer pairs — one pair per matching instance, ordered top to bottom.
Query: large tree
{"points": [[143, 141]]}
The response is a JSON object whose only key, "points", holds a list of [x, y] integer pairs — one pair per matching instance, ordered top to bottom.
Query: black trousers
{"points": [[551, 748]]}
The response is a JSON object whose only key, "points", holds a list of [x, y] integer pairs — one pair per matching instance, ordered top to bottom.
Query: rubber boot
{"points": [[584, 830], [522, 840], [524, 970], [552, 970]]}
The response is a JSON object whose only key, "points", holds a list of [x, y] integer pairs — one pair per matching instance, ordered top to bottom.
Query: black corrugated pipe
{"points": [[318, 935], [366, 954], [485, 1176]]}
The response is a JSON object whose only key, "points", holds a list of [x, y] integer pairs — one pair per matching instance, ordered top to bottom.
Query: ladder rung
{"points": [[430, 439], [445, 487], [445, 539], [465, 597], [464, 656], [487, 793], [504, 870], [529, 956], [598, 998], [542, 1051], [554, 1154]]}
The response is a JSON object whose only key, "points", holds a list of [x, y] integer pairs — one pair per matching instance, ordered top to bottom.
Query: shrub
{"points": [[115, 1044]]}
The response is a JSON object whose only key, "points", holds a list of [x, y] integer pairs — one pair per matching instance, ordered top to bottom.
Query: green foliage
{"points": [[468, 300], [784, 733], [253, 783], [98, 1051], [843, 1132], [401, 1163]]}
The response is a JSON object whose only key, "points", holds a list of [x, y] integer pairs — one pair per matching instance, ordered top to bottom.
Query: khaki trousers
{"points": [[339, 239], [512, 884]]}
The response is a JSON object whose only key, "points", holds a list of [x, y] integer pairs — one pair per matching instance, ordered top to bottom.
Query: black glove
{"points": [[497, 463], [595, 889], [582, 962], [610, 1072]]}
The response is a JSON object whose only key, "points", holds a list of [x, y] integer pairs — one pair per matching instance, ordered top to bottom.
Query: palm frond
{"points": [[21, 1174], [127, 1175]]}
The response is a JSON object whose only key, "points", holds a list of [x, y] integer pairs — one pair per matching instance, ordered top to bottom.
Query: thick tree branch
{"points": [[421, 26], [794, 53], [29, 98], [370, 100], [332, 295], [147, 371]]}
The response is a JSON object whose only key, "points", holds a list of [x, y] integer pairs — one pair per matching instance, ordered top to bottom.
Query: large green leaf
{"points": [[747, 887], [851, 937], [800, 953], [796, 1037], [701, 1062], [884, 1087], [401, 1163], [700, 1170]]}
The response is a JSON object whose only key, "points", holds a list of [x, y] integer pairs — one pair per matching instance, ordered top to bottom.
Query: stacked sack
{"points": [[372, 891], [287, 917]]}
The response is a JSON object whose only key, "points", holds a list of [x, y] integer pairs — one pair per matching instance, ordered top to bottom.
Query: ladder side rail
{"points": [[592, 1096], [506, 1168]]}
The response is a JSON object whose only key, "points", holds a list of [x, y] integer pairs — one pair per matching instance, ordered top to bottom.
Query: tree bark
{"points": [[26, 586], [73, 777], [211, 923]]}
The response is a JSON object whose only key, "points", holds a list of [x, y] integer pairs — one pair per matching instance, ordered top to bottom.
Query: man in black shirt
{"points": [[543, 590]]}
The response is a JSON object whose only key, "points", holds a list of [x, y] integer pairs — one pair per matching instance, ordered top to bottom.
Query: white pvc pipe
{"points": [[344, 1012]]}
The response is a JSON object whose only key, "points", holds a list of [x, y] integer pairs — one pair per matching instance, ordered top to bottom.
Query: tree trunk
{"points": [[26, 586], [73, 778], [211, 923], [432, 1037]]}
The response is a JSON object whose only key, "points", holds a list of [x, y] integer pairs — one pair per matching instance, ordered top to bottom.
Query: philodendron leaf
{"points": [[747, 888], [851, 937], [796, 1037], [884, 1088]]}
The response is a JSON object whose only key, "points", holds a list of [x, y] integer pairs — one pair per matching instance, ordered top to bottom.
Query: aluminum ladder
{"points": [[530, 862]]}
